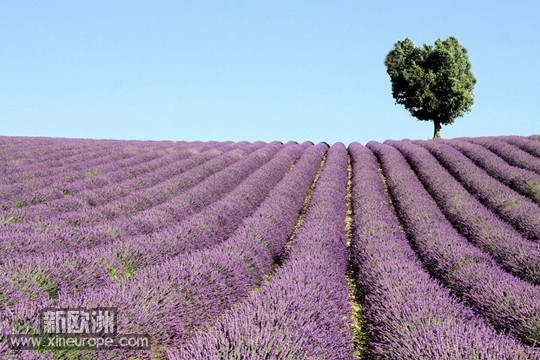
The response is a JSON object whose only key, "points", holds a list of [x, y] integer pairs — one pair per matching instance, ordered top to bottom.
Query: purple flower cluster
{"points": [[527, 144], [510, 153], [30, 157], [60, 178], [522, 180], [100, 185], [90, 195], [518, 210], [108, 222], [483, 228], [74, 271], [176, 295], [508, 303], [303, 312], [408, 314]]}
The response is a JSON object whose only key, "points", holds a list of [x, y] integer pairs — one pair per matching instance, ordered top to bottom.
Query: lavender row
{"points": [[527, 144], [510, 153], [15, 155], [23, 155], [46, 155], [99, 155], [31, 157], [86, 157], [173, 161], [37, 174], [88, 174], [139, 179], [522, 180], [115, 185], [29, 191], [46, 191], [160, 195], [80, 196], [169, 199], [147, 206], [512, 207], [118, 226], [484, 229], [53, 230], [51, 235], [115, 261], [169, 299], [508, 303], [303, 312], [408, 314]]}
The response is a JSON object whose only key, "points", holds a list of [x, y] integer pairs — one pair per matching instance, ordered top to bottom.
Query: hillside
{"points": [[222, 250]]}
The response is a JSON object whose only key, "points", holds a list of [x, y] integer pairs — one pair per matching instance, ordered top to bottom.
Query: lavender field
{"points": [[222, 250]]}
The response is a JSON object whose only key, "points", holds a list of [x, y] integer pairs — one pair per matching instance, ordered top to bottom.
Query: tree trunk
{"points": [[437, 130]]}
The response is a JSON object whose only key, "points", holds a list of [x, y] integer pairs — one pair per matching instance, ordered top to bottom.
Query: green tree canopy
{"points": [[434, 83]]}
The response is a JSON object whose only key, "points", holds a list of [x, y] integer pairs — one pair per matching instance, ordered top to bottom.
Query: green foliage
{"points": [[434, 83], [92, 173], [533, 189], [19, 204], [11, 219], [113, 233], [127, 269], [114, 274], [45, 282], [63, 354]]}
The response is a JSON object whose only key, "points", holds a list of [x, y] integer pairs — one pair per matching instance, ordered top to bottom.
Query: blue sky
{"points": [[253, 70]]}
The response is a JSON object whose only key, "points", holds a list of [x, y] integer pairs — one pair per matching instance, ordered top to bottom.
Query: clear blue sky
{"points": [[253, 70]]}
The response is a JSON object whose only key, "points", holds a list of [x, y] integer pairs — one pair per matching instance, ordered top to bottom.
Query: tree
{"points": [[434, 83]]}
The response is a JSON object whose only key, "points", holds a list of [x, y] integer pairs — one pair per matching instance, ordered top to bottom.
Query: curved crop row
{"points": [[526, 144], [18, 152], [510, 153], [45, 160], [522, 180], [31, 181], [114, 186], [38, 187], [66, 189], [67, 192], [175, 198], [514, 208], [492, 235], [68, 272], [169, 299], [508, 303], [303, 312], [408, 314]]}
